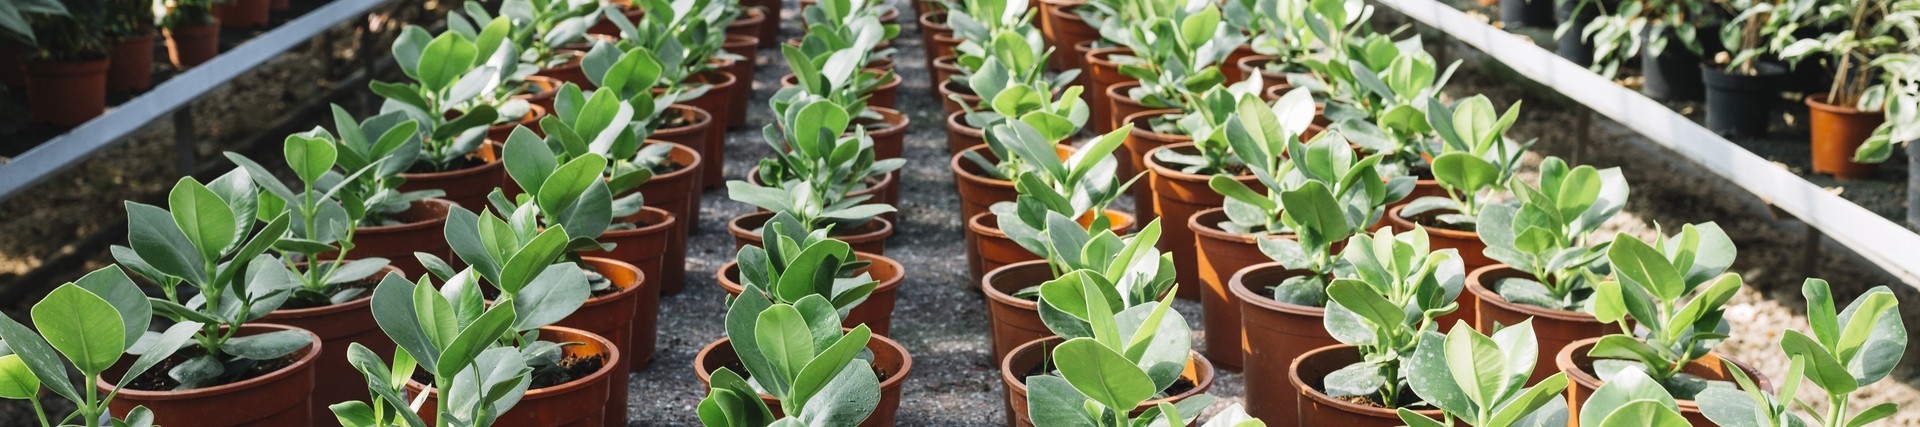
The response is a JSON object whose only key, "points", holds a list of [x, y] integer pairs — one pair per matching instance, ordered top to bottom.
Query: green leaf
{"points": [[444, 60], [309, 157], [528, 160], [1464, 172], [569, 182], [205, 219], [1646, 267], [112, 284], [1360, 298], [81, 326], [475, 339], [786, 343], [268, 346], [39, 357], [831, 360], [1477, 364], [1830, 373], [1102, 374], [16, 379], [847, 400], [1052, 401]]}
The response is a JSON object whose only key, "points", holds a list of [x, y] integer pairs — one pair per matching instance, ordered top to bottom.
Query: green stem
{"points": [[34, 400], [440, 402], [91, 409], [1837, 411]]}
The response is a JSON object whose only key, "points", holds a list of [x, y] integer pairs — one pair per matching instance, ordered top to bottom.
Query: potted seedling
{"points": [[1650, 29], [541, 32], [19, 33], [192, 34], [130, 37], [1280, 37], [688, 44], [66, 68], [836, 72], [1173, 72], [630, 76], [1010, 83], [1741, 84], [1903, 89], [1868, 106], [1383, 117], [454, 120], [1474, 163], [844, 164], [1181, 165], [984, 170], [1080, 187], [820, 197], [1311, 197], [212, 243], [1548, 259], [526, 264], [1141, 273], [861, 285], [1673, 290], [1380, 313], [411, 314], [90, 324], [1849, 350], [1116, 360], [800, 365], [1481, 381], [1630, 398]]}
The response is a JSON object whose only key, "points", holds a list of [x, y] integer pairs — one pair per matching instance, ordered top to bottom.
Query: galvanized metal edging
{"points": [[69, 149], [1881, 241]]}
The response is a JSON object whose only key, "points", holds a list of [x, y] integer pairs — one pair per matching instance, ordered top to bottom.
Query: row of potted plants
{"points": [[69, 56]]}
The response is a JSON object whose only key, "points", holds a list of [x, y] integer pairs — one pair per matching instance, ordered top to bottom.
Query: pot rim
{"points": [[1063, 9], [749, 17], [927, 23], [741, 40], [1098, 56], [1116, 92], [968, 95], [1818, 101], [534, 113], [889, 116], [701, 121], [954, 122], [1133, 122], [955, 163], [487, 167], [684, 169], [1163, 172], [665, 223], [978, 223], [1402, 224], [410, 226], [885, 229], [1209, 231], [602, 263], [987, 280], [886, 284], [1239, 287], [1489, 296], [355, 304], [612, 352], [304, 362], [1202, 368], [1293, 376], [1580, 377], [892, 381]]}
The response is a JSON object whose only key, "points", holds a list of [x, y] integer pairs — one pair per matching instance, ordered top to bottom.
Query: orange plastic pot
{"points": [[1064, 29], [191, 45], [747, 47], [1230, 66], [130, 67], [1102, 71], [67, 93], [956, 97], [714, 103], [1123, 106], [889, 132], [1836, 132], [695, 134], [960, 136], [1141, 140], [466, 187], [979, 190], [676, 192], [1177, 196], [419, 230], [870, 237], [643, 247], [1472, 254], [1219, 255], [876, 312], [617, 318], [1014, 321], [337, 326], [1554, 329], [1273, 334], [1029, 358], [891, 363], [1310, 370], [1581, 381], [279, 398], [578, 403]]}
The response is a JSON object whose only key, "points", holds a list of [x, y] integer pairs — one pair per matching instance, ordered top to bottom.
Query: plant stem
{"points": [[33, 399], [92, 408], [1837, 410]]}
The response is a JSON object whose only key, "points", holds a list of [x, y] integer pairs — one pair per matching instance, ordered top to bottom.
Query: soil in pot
{"points": [[1527, 13], [191, 45], [130, 68], [67, 93], [1739, 104], [1836, 132], [466, 182], [676, 192], [1177, 196], [417, 229], [870, 237], [993, 249], [876, 312], [618, 314], [1013, 314], [337, 326], [1553, 329], [1273, 334], [1032, 358], [891, 365], [1581, 380], [275, 392], [574, 398], [1319, 409]]}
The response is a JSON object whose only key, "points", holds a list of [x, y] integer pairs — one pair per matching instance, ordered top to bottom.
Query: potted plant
{"points": [[1648, 29], [19, 32], [541, 32], [192, 33], [130, 34], [1280, 37], [688, 41], [67, 66], [1014, 67], [833, 71], [1173, 71], [503, 81], [1741, 85], [1865, 108], [453, 121], [1181, 162], [1475, 162], [845, 165], [984, 171], [1079, 187], [1312, 195], [820, 196], [208, 241], [1549, 262], [1132, 263], [531, 265], [863, 285], [1673, 290], [1380, 313], [91, 325], [469, 348], [1843, 355], [1115, 358], [827, 380], [1481, 381], [1630, 398]]}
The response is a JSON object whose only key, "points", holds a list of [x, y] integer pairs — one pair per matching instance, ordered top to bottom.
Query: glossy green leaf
{"points": [[82, 326], [1102, 375]]}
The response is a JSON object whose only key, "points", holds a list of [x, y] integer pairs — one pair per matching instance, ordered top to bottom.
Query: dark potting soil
{"points": [[1431, 219], [618, 225], [367, 283], [571, 368], [156, 379], [1408, 401]]}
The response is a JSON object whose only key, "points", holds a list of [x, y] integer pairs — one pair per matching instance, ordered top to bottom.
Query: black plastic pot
{"points": [[1579, 12], [1527, 13], [1674, 73], [1740, 104]]}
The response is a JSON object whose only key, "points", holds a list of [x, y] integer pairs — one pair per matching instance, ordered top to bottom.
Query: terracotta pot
{"points": [[242, 14], [748, 24], [769, 27], [1064, 29], [936, 35], [192, 45], [747, 47], [130, 64], [882, 64], [1258, 64], [1230, 65], [944, 68], [569, 72], [1101, 72], [12, 74], [539, 90], [67, 94], [956, 97], [714, 102], [1122, 106], [531, 121], [1838, 130], [889, 133], [697, 135], [960, 136], [1141, 139], [467, 187], [1421, 188], [978, 190], [676, 192], [1177, 196], [420, 230], [870, 237], [643, 247], [992, 248], [1221, 254], [1471, 254], [876, 312], [620, 318], [1013, 321], [337, 326], [1554, 329], [1273, 334], [1030, 356], [891, 363], [1581, 382], [279, 398], [578, 403], [1318, 409]]}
